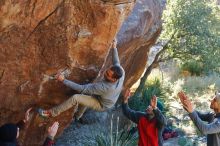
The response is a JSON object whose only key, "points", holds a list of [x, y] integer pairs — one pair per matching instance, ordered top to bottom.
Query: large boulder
{"points": [[136, 36], [39, 38]]}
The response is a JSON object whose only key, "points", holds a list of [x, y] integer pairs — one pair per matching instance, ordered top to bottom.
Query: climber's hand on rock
{"points": [[114, 43], [60, 77], [52, 131]]}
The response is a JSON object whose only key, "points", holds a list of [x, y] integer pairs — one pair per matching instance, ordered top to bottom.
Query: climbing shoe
{"points": [[44, 113]]}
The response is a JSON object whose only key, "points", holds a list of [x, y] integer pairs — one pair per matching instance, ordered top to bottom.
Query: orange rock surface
{"points": [[41, 37]]}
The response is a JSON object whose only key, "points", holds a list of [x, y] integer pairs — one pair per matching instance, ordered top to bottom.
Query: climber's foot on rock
{"points": [[44, 113]]}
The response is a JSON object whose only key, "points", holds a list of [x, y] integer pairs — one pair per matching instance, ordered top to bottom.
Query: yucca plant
{"points": [[151, 88], [122, 137]]}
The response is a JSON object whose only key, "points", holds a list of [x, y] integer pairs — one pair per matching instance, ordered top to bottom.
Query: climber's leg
{"points": [[84, 100], [88, 102]]}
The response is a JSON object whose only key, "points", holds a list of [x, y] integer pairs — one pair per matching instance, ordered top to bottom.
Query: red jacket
{"points": [[150, 131]]}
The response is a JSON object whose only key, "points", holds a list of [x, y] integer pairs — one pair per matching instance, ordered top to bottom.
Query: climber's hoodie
{"points": [[105, 91], [150, 131]]}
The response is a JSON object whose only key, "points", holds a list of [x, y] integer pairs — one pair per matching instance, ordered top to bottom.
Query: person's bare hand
{"points": [[114, 43], [60, 77], [126, 95], [182, 96], [153, 102], [187, 104], [27, 115], [52, 131]]}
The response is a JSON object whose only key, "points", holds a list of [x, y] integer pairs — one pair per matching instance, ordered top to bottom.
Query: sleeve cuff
{"points": [[65, 80], [124, 105], [155, 108], [193, 114], [21, 124], [50, 137], [48, 142]]}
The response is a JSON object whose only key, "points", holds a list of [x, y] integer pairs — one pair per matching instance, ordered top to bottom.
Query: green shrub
{"points": [[192, 66], [201, 84], [151, 88], [184, 141]]}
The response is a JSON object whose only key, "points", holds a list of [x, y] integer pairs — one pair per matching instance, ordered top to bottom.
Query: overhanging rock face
{"points": [[39, 38]]}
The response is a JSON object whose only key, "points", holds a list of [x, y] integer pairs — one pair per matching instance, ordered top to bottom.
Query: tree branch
{"points": [[152, 66]]}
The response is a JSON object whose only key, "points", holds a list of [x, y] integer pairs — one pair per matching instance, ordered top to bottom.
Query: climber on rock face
{"points": [[97, 96], [9, 132]]}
